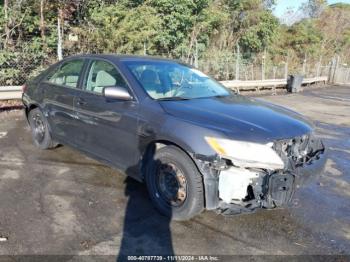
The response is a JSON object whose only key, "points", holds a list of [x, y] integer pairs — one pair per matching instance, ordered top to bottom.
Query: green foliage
{"points": [[2, 19], [177, 19], [116, 28], [208, 29], [259, 35], [305, 38], [346, 39], [17, 66]]}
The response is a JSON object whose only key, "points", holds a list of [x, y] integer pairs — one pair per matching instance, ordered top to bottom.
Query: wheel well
{"points": [[30, 108], [153, 146], [151, 149], [149, 153]]}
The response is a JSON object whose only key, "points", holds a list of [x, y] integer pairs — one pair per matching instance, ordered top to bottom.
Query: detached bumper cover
{"points": [[311, 169], [282, 185], [271, 189]]}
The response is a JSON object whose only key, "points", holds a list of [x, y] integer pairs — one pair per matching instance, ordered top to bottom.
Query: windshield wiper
{"points": [[221, 96], [173, 98]]}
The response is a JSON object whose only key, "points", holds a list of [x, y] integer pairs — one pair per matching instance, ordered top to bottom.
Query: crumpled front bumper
{"points": [[311, 169], [282, 185], [271, 190]]}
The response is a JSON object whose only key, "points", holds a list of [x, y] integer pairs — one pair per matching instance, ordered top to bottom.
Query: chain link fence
{"points": [[16, 68], [228, 70], [342, 75]]}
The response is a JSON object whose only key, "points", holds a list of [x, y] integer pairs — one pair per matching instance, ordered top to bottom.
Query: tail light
{"points": [[24, 88]]}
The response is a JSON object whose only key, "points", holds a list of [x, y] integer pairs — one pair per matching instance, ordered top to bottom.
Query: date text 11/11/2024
{"points": [[173, 258]]}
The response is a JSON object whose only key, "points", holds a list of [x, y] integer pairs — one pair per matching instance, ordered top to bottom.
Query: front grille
{"points": [[298, 151]]}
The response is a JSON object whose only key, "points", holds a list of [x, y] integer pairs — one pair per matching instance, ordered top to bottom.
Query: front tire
{"points": [[40, 129], [175, 184]]}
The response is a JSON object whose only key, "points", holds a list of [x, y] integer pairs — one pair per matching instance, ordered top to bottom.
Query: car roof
{"points": [[120, 57]]}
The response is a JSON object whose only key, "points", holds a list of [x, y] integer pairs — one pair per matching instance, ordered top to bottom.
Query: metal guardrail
{"points": [[273, 84], [10, 92], [15, 92]]}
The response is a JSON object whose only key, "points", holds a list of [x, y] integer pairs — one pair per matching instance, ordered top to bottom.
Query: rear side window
{"points": [[67, 74], [103, 74]]}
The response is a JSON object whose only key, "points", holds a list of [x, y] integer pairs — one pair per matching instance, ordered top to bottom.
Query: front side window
{"points": [[67, 74], [103, 74], [171, 80]]}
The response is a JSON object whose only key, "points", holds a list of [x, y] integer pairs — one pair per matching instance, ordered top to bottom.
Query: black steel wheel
{"points": [[40, 130], [171, 184], [175, 184]]}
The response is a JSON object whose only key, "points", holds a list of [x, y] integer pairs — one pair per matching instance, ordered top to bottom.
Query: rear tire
{"points": [[40, 129], [175, 184]]}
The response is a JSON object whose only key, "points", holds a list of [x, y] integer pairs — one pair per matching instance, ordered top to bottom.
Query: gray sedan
{"points": [[196, 144]]}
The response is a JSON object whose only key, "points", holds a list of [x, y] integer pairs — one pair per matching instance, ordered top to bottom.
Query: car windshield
{"points": [[164, 80]]}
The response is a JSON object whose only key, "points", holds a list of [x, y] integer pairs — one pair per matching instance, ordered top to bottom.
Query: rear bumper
{"points": [[26, 103]]}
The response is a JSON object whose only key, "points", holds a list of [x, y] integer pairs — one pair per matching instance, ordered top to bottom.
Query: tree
{"points": [[313, 8], [177, 18], [6, 23], [117, 28], [193, 30], [257, 36]]}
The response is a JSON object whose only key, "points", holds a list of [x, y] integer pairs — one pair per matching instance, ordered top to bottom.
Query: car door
{"points": [[59, 89], [108, 127]]}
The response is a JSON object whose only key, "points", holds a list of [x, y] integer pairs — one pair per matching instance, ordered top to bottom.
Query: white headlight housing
{"points": [[246, 154]]}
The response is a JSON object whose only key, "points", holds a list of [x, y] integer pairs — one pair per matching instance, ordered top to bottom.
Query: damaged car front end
{"points": [[251, 154], [244, 176]]}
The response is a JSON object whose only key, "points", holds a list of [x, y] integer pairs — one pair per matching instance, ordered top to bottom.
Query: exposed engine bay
{"points": [[243, 189]]}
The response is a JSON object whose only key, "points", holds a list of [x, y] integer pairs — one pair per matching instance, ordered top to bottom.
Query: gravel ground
{"points": [[6, 105]]}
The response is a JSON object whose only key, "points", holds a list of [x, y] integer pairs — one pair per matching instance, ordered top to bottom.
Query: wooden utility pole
{"points": [[42, 23], [7, 28], [59, 36], [144, 48], [196, 55], [337, 61], [237, 63], [304, 64], [263, 65], [286, 66], [318, 70], [330, 72]]}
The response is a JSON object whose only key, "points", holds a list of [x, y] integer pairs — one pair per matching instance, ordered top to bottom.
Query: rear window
{"points": [[67, 74]]}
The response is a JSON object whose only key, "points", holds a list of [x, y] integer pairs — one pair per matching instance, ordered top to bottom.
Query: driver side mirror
{"points": [[116, 92]]}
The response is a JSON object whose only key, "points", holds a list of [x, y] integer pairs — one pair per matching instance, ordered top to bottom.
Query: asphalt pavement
{"points": [[60, 202]]}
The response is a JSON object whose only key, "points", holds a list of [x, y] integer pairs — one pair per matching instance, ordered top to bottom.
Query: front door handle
{"points": [[81, 102]]}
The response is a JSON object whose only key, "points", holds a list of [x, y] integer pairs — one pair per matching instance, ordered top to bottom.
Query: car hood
{"points": [[240, 118]]}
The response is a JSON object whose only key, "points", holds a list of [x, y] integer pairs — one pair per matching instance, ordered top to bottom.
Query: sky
{"points": [[283, 5]]}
